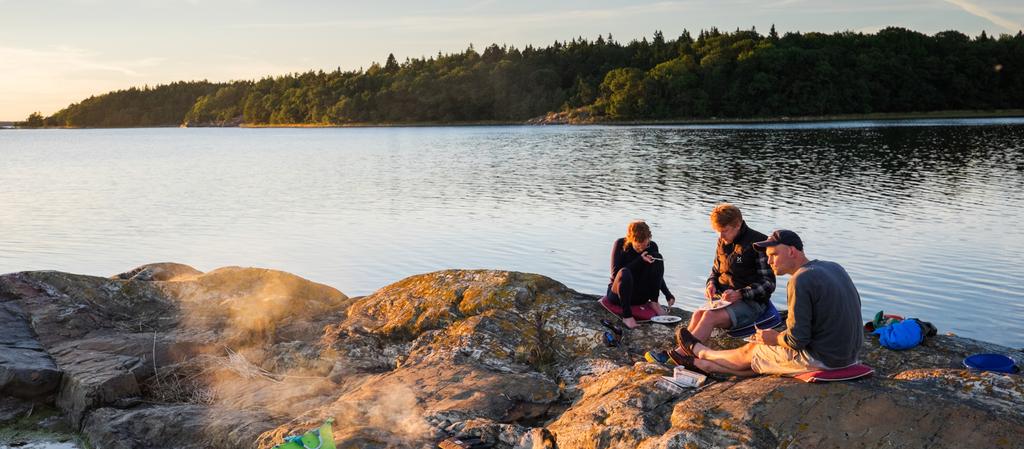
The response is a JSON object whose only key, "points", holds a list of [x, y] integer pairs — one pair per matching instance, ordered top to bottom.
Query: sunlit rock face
{"points": [[190, 351], [166, 356]]}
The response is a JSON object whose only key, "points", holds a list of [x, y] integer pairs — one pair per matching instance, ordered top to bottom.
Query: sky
{"points": [[57, 52]]}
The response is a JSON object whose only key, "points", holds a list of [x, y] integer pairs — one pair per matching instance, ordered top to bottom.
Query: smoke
{"points": [[249, 307], [262, 329], [266, 354], [393, 408]]}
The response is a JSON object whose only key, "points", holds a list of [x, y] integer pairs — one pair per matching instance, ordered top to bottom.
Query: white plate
{"points": [[716, 305], [666, 319]]}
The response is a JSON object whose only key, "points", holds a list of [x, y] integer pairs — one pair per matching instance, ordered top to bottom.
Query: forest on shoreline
{"points": [[714, 75]]}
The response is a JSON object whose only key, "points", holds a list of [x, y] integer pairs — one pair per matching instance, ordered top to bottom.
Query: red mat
{"points": [[641, 313], [835, 375]]}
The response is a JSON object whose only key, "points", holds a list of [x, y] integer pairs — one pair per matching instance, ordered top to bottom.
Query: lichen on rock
{"points": [[167, 356]]}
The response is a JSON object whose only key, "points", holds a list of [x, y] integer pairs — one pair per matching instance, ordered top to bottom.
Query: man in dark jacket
{"points": [[740, 276]]}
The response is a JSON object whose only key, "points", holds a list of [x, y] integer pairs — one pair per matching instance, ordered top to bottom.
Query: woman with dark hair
{"points": [[637, 273]]}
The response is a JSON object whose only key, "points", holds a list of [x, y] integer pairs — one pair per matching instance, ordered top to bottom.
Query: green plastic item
{"points": [[881, 320], [321, 438]]}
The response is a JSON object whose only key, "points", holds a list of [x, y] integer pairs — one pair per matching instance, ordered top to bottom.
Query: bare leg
{"points": [[698, 315], [710, 320], [734, 360], [712, 367]]}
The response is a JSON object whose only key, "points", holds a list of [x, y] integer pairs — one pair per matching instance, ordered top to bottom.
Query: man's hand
{"points": [[647, 257], [710, 291], [732, 295], [670, 300], [768, 337]]}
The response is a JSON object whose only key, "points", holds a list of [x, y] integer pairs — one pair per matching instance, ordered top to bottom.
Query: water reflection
{"points": [[924, 216]]}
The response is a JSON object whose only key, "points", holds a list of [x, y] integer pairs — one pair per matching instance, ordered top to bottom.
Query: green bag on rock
{"points": [[321, 438]]}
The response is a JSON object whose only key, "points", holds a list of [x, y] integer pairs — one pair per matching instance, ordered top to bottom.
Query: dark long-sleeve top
{"points": [[629, 258], [740, 267], [824, 314]]}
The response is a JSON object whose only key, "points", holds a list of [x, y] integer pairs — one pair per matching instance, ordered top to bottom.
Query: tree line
{"points": [[740, 74]]}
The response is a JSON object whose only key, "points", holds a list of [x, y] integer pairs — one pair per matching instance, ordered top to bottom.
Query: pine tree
{"points": [[392, 65]]}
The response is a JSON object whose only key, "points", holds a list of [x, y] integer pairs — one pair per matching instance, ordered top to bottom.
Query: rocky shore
{"points": [[165, 356]]}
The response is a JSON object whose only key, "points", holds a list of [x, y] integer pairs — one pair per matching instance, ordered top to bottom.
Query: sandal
{"points": [[686, 341], [659, 357], [685, 361]]}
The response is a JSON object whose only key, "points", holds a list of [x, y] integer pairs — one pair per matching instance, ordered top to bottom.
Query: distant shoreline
{"points": [[1000, 113], [955, 114]]}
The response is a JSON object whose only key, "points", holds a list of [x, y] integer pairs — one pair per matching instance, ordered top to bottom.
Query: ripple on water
{"points": [[924, 214]]}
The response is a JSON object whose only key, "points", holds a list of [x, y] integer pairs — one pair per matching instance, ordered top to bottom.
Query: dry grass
{"points": [[245, 369], [192, 381], [185, 382]]}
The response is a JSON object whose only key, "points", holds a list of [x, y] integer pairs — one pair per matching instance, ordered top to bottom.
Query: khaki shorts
{"points": [[782, 360]]}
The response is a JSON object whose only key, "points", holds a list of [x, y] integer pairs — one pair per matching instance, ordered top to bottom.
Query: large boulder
{"points": [[66, 307], [169, 336], [453, 352], [168, 357], [628, 408]]}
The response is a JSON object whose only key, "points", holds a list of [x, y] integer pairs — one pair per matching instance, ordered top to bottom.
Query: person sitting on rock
{"points": [[637, 273], [740, 275], [823, 330]]}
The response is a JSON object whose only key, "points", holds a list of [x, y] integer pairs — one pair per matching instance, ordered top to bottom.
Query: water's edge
{"points": [[779, 120]]}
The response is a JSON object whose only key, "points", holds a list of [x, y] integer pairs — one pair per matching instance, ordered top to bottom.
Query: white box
{"points": [[687, 378]]}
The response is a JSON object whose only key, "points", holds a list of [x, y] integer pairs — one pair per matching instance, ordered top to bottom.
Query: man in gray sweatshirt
{"points": [[823, 329]]}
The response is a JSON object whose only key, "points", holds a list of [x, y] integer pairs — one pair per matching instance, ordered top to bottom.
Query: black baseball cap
{"points": [[781, 236]]}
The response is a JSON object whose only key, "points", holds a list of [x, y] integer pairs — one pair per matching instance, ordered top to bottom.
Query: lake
{"points": [[925, 215]]}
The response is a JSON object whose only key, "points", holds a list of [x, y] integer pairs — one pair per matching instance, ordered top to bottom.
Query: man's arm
{"points": [[616, 258], [713, 277], [765, 284], [798, 323]]}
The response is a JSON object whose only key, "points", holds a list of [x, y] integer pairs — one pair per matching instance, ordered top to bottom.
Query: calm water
{"points": [[927, 216]]}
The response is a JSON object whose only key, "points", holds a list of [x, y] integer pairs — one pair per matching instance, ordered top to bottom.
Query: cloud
{"points": [[805, 7], [976, 10], [475, 19], [483, 22], [67, 59], [48, 79]]}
